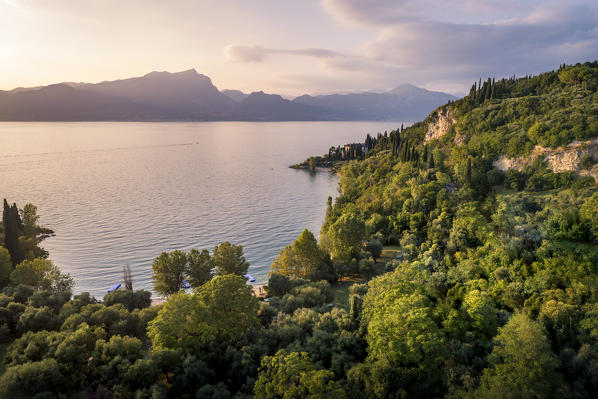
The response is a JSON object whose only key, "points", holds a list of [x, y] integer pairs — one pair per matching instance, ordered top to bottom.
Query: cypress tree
{"points": [[431, 162], [468, 173], [11, 232]]}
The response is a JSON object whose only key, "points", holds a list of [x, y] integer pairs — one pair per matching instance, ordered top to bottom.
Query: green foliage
{"points": [[313, 163], [589, 214], [13, 228], [345, 237], [374, 247], [229, 259], [304, 259], [5, 266], [200, 267], [169, 272], [41, 273], [278, 284], [130, 299], [219, 311], [521, 364], [292, 376], [39, 379]]}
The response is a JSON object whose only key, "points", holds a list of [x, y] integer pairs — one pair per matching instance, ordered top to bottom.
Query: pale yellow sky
{"points": [[292, 47]]}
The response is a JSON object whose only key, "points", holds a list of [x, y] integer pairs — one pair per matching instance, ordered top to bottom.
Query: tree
{"points": [[313, 163], [468, 171], [589, 213], [30, 218], [11, 223], [346, 237], [374, 247], [229, 259], [303, 259], [5, 266], [200, 266], [169, 272], [41, 273], [278, 284], [130, 299], [231, 303], [219, 311], [36, 319], [182, 323], [402, 332], [521, 364], [292, 376], [39, 379]]}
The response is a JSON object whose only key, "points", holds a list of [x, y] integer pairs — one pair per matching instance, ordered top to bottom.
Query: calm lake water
{"points": [[121, 193]]}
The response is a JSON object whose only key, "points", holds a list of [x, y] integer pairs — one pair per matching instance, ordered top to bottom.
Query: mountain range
{"points": [[188, 95]]}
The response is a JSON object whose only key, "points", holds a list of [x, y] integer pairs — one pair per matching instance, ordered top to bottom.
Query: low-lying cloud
{"points": [[259, 54]]}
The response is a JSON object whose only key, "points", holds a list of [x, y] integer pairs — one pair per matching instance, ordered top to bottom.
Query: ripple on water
{"points": [[121, 193]]}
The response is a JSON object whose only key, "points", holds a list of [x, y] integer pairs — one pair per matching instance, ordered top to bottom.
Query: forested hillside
{"points": [[435, 275], [496, 292]]}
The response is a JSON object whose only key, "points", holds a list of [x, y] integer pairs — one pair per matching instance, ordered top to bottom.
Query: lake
{"points": [[121, 193]]}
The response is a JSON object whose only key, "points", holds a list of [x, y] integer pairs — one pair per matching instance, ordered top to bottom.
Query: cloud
{"points": [[459, 40], [446, 45], [259, 53]]}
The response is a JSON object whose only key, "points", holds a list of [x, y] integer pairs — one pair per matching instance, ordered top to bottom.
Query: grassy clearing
{"points": [[389, 252], [340, 290]]}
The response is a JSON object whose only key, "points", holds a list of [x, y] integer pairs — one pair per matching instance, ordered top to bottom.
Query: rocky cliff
{"points": [[440, 124], [561, 159]]}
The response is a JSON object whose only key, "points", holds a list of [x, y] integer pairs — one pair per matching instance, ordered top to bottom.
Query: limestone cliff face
{"points": [[440, 125], [560, 159]]}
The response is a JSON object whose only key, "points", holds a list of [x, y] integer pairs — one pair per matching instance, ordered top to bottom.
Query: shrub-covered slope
{"points": [[497, 290]]}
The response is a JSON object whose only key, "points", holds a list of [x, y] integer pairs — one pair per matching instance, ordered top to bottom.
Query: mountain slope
{"points": [[189, 95], [156, 96], [405, 102]]}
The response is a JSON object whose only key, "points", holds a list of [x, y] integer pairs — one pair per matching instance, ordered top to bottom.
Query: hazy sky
{"points": [[294, 46]]}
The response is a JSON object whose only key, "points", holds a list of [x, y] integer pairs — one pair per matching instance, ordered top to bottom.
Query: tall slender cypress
{"points": [[468, 172], [11, 232]]}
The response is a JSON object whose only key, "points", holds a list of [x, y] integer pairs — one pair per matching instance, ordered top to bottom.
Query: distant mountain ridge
{"points": [[188, 95]]}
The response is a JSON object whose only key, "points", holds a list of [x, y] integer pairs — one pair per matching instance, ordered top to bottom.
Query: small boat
{"points": [[250, 278], [185, 284], [114, 287]]}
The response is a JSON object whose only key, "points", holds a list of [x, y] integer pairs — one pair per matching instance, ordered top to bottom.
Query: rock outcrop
{"points": [[440, 124], [560, 159]]}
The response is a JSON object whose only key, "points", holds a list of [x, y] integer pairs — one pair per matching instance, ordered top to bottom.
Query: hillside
{"points": [[403, 103], [496, 291]]}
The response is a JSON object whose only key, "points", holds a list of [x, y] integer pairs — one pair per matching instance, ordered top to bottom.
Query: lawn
{"points": [[389, 252], [340, 291]]}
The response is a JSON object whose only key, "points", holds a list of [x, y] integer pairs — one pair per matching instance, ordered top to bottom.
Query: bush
{"points": [[586, 161], [278, 285], [130, 299]]}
